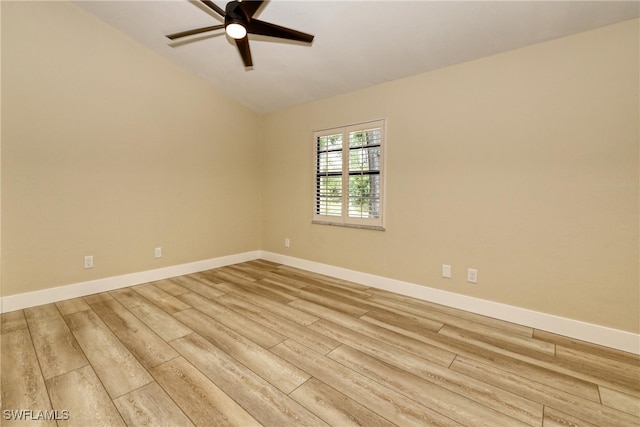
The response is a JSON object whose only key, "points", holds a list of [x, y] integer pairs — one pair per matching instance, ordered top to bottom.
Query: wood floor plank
{"points": [[264, 264], [254, 273], [227, 274], [212, 275], [305, 276], [202, 278], [205, 278], [276, 279], [310, 280], [197, 286], [170, 287], [264, 287], [337, 289], [282, 296], [97, 297], [162, 299], [326, 299], [268, 304], [349, 304], [72, 305], [41, 312], [450, 316], [13, 321], [161, 322], [404, 323], [250, 329], [388, 339], [315, 341], [142, 342], [513, 343], [57, 349], [378, 349], [598, 350], [598, 362], [117, 368], [272, 368], [547, 371], [557, 372], [608, 376], [22, 385], [81, 393], [493, 397], [199, 398], [263, 401], [620, 401], [565, 402], [387, 403], [150, 405], [336, 408], [465, 408], [553, 418]]}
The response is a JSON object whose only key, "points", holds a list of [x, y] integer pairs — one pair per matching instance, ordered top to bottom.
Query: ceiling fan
{"points": [[239, 23]]}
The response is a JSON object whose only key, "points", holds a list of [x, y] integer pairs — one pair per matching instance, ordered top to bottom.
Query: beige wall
{"points": [[110, 150], [523, 165]]}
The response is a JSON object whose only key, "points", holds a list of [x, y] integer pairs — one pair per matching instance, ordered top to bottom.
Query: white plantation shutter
{"points": [[365, 147], [329, 175], [349, 175]]}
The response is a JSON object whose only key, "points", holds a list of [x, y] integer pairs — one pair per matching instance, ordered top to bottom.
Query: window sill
{"points": [[339, 224]]}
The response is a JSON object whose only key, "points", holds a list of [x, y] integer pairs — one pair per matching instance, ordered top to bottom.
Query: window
{"points": [[349, 175]]}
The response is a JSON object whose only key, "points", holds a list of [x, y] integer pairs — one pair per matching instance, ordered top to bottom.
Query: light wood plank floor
{"points": [[259, 343]]}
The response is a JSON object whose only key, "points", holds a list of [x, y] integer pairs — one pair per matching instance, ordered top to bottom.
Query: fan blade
{"points": [[215, 7], [250, 7], [256, 26], [192, 32], [245, 52]]}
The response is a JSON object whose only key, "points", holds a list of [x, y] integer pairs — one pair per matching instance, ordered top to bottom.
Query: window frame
{"points": [[344, 219]]}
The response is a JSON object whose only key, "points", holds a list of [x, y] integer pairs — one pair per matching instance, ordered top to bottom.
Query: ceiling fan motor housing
{"points": [[235, 15]]}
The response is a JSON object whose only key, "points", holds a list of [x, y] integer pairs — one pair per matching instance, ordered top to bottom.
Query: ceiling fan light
{"points": [[235, 30]]}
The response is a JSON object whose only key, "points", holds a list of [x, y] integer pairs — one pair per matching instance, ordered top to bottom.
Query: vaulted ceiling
{"points": [[357, 43]]}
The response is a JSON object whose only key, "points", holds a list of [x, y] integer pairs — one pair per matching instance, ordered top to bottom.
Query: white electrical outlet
{"points": [[287, 242], [158, 252], [88, 261], [446, 271], [472, 275]]}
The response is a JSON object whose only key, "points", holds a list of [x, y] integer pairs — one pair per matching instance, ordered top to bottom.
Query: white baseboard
{"points": [[60, 293], [589, 332], [609, 337]]}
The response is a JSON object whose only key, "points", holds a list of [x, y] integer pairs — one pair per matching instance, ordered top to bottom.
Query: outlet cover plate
{"points": [[88, 261], [446, 271], [472, 275]]}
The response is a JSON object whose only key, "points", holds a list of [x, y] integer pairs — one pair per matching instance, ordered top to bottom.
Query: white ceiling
{"points": [[357, 43]]}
